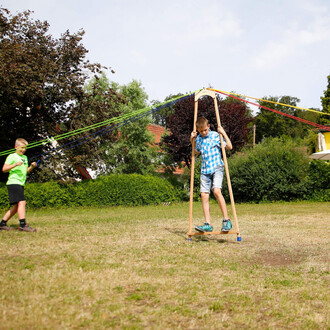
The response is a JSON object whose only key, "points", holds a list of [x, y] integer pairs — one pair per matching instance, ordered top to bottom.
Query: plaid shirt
{"points": [[209, 147]]}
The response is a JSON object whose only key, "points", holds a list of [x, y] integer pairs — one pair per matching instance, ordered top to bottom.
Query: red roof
{"points": [[158, 131]]}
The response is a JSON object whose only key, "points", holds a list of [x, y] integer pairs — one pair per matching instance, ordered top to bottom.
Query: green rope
{"points": [[96, 125]]}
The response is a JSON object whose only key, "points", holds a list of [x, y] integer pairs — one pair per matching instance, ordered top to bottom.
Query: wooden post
{"points": [[207, 92], [254, 135], [224, 156], [192, 171]]}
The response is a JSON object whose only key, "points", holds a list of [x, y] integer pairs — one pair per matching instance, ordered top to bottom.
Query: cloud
{"points": [[203, 23], [307, 32], [138, 58]]}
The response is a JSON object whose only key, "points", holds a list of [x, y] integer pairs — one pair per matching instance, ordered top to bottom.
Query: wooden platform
{"points": [[196, 233]]}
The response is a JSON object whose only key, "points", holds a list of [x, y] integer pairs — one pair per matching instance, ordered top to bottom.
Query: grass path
{"points": [[133, 268]]}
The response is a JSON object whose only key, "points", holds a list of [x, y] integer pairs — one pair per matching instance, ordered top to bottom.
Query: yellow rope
{"points": [[287, 105]]}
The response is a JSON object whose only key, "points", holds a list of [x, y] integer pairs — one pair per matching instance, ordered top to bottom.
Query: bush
{"points": [[276, 170], [319, 180], [125, 189], [129, 189]]}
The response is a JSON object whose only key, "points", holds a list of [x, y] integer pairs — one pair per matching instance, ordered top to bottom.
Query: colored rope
{"points": [[286, 105], [277, 111], [96, 125], [106, 130]]}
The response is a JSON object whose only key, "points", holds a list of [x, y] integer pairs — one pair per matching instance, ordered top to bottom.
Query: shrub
{"points": [[275, 170], [319, 180], [125, 189], [129, 189], [50, 194]]}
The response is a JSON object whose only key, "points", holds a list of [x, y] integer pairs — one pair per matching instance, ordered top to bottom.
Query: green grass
{"points": [[133, 268]]}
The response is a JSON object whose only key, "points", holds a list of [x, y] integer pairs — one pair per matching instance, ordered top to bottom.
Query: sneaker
{"points": [[226, 225], [5, 227], [206, 227], [26, 228]]}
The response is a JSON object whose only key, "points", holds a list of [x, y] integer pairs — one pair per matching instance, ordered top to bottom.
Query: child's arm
{"points": [[221, 131], [6, 167], [31, 167]]}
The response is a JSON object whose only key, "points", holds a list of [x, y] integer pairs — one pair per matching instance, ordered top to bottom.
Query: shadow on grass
{"points": [[197, 239]]}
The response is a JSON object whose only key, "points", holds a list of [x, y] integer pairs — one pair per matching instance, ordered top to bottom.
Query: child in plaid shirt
{"points": [[208, 145]]}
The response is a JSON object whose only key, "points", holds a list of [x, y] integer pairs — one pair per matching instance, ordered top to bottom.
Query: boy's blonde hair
{"points": [[201, 122], [21, 142]]}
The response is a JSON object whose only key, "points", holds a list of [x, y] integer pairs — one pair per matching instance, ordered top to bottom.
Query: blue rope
{"points": [[104, 131]]}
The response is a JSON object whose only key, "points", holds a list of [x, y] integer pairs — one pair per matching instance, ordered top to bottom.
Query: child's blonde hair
{"points": [[201, 122], [21, 142]]}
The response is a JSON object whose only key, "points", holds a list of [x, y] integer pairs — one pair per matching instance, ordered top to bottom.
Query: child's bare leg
{"points": [[221, 201], [206, 207], [21, 210], [10, 213]]}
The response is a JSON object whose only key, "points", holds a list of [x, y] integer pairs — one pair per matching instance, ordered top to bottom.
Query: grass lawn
{"points": [[133, 268]]}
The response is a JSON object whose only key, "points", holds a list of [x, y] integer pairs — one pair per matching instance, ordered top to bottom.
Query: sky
{"points": [[256, 48]]}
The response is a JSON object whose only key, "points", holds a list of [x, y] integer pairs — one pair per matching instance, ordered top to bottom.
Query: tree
{"points": [[42, 89], [326, 104], [159, 117], [235, 118], [270, 124], [134, 151]]}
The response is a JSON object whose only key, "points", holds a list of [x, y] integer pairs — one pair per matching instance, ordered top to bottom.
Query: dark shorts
{"points": [[16, 193]]}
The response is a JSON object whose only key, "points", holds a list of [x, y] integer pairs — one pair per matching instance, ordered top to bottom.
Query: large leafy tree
{"points": [[42, 90], [326, 104], [234, 115], [159, 117], [270, 124], [134, 151]]}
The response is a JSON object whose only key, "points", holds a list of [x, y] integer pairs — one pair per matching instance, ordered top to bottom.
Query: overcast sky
{"points": [[253, 47]]}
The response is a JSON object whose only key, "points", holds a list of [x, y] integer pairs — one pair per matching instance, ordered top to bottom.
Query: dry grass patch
{"points": [[133, 268]]}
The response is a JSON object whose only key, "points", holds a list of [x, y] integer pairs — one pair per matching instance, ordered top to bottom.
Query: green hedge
{"points": [[277, 170], [319, 178], [125, 189]]}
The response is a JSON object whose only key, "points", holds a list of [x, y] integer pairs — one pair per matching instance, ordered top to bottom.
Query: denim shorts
{"points": [[212, 180]]}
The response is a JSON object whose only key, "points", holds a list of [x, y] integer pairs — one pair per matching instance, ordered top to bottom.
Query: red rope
{"points": [[279, 112]]}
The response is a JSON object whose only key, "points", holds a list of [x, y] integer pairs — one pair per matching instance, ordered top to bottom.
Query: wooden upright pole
{"points": [[224, 156], [192, 171]]}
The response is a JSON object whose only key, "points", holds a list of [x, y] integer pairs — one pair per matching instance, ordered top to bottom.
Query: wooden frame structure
{"points": [[208, 92]]}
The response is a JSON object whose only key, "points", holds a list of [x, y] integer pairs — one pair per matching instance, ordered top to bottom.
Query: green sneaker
{"points": [[226, 225], [206, 227]]}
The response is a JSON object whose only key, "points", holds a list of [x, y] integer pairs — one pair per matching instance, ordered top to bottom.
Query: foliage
{"points": [[42, 90], [326, 104], [234, 115], [159, 117], [270, 124], [134, 151], [246, 170], [276, 170], [319, 179], [125, 189], [129, 189]]}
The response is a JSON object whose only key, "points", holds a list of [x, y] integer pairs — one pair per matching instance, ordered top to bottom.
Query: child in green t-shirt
{"points": [[17, 166]]}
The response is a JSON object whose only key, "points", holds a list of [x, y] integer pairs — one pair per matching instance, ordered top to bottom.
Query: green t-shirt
{"points": [[17, 175]]}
